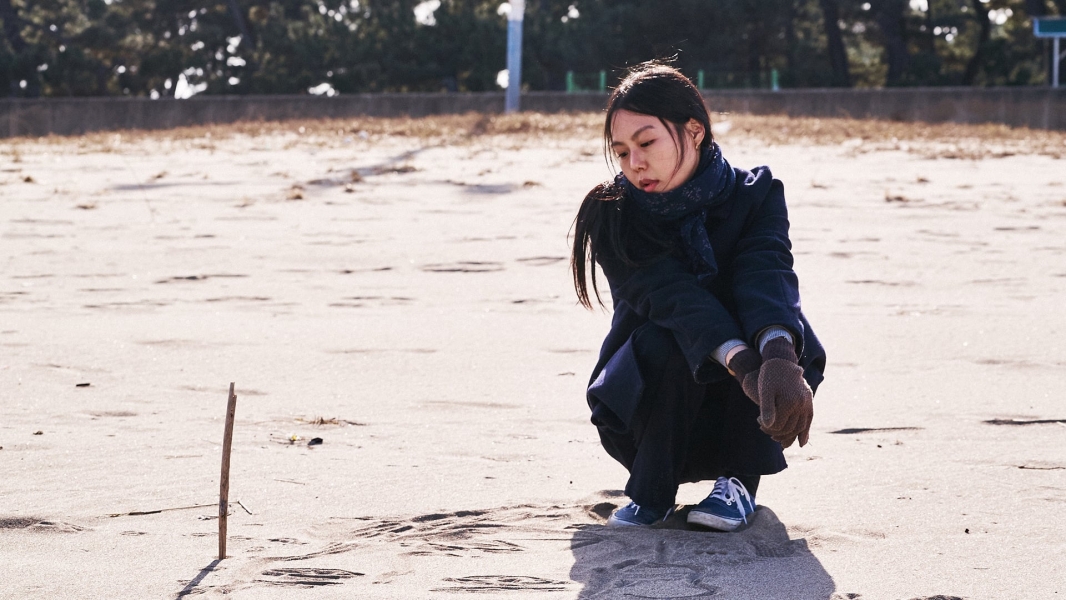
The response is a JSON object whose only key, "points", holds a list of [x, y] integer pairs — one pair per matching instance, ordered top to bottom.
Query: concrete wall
{"points": [[1037, 108], [1042, 108], [65, 116]]}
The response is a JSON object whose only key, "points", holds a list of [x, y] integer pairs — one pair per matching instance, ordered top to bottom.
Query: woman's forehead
{"points": [[626, 124]]}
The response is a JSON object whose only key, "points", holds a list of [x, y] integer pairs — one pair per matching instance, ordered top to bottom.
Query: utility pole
{"points": [[514, 55]]}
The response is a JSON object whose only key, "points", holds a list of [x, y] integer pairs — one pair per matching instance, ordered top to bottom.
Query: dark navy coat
{"points": [[754, 289]]}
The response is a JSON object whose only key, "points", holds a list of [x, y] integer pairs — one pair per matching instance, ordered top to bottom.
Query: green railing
{"points": [[713, 79], [586, 82]]}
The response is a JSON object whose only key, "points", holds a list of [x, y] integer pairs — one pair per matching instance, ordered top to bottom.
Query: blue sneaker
{"points": [[726, 508], [633, 515]]}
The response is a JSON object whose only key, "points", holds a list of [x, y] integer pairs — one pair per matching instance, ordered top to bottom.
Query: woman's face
{"points": [[649, 152]]}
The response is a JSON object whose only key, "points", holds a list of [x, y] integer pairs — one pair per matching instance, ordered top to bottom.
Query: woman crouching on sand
{"points": [[709, 368]]}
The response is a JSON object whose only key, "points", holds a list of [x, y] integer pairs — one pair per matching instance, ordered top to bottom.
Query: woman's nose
{"points": [[636, 161]]}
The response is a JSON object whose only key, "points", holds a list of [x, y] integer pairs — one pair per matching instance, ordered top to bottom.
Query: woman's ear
{"points": [[695, 129]]}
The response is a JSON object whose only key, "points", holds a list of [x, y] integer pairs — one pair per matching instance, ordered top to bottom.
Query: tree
{"points": [[890, 20], [984, 26], [153, 47], [838, 56], [18, 62]]}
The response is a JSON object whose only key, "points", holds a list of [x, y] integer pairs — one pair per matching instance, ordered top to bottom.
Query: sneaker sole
{"points": [[713, 521], [620, 523]]}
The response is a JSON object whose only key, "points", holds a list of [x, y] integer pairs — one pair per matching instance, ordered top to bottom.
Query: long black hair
{"points": [[651, 88]]}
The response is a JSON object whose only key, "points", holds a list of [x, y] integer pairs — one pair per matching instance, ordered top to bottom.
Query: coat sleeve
{"points": [[765, 286], [666, 293]]}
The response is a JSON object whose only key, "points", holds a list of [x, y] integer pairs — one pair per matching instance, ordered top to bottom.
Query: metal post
{"points": [[514, 55], [1055, 63], [699, 79], [603, 81], [570, 86]]}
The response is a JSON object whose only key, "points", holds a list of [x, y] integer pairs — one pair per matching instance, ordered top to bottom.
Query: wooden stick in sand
{"points": [[223, 494]]}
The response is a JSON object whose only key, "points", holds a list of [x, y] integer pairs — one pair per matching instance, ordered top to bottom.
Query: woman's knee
{"points": [[658, 351]]}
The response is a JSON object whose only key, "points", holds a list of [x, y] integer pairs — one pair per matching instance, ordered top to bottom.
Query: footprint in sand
{"points": [[541, 261], [463, 267], [350, 271], [184, 278], [880, 282], [239, 299], [375, 301], [129, 305], [112, 413], [1024, 421], [853, 430], [18, 522], [55, 527], [285, 540], [307, 577], [665, 581], [480, 584]]}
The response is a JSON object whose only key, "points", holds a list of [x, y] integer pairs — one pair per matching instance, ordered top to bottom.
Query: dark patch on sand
{"points": [[852, 430]]}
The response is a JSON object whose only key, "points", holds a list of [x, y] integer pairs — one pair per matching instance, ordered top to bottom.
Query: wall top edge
{"points": [[943, 91]]}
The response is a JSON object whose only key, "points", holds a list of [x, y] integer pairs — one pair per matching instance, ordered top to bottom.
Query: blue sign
{"points": [[1050, 27]]}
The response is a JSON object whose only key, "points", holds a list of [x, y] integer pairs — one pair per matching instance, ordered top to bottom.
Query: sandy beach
{"points": [[400, 289]]}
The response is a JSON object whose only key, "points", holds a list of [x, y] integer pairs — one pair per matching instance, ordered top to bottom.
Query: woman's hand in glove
{"points": [[744, 366], [786, 402]]}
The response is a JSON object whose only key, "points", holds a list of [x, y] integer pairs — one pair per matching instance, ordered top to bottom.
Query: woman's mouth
{"points": [[648, 185]]}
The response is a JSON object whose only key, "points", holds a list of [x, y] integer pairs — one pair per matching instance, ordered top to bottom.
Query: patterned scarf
{"points": [[688, 203]]}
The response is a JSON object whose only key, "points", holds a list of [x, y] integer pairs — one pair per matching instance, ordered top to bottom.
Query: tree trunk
{"points": [[890, 21], [11, 26], [242, 27], [929, 27], [838, 55], [252, 65], [974, 65], [24, 66], [754, 66], [102, 75], [792, 76]]}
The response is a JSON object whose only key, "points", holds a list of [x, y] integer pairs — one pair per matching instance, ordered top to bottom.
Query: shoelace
{"points": [[730, 491], [638, 509]]}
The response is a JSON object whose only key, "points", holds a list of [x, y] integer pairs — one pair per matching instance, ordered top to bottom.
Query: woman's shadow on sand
{"points": [[518, 549], [677, 560]]}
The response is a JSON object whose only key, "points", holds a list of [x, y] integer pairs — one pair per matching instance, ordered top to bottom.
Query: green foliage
{"points": [[154, 47]]}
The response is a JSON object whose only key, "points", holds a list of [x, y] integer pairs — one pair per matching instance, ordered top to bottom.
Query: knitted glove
{"points": [[744, 366], [786, 402]]}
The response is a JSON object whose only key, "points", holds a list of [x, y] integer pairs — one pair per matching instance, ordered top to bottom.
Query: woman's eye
{"points": [[647, 143], [622, 155]]}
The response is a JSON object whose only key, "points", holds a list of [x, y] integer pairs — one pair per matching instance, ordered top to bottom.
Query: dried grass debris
{"points": [[928, 140]]}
